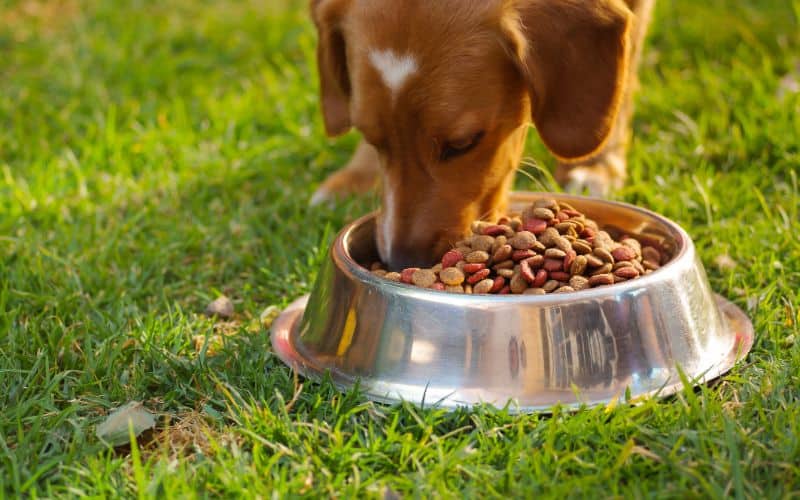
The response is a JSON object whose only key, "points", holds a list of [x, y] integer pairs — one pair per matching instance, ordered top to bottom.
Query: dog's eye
{"points": [[452, 149]]}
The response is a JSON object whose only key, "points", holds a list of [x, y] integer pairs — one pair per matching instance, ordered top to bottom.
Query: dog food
{"points": [[549, 248]]}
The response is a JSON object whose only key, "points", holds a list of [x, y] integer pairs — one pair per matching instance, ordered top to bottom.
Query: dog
{"points": [[443, 93]]}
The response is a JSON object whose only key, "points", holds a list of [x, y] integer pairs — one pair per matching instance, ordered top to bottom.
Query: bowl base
{"points": [[284, 335]]}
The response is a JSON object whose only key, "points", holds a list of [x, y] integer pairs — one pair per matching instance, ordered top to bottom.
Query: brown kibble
{"points": [[543, 213], [479, 226], [547, 238], [523, 240], [482, 242], [498, 242], [563, 244], [633, 244], [581, 247], [502, 253], [555, 253], [603, 254], [651, 254], [476, 257], [593, 260], [536, 261], [506, 264], [578, 265], [650, 265], [437, 268], [604, 269], [379, 272], [505, 273], [392, 276], [451, 276], [423, 278], [601, 279], [579, 282], [518, 284], [551, 285], [483, 286], [454, 288], [468, 289], [564, 289], [534, 291]]}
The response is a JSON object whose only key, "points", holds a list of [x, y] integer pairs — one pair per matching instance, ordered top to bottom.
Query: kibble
{"points": [[550, 248]]}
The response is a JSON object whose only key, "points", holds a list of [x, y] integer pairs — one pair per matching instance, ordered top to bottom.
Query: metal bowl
{"points": [[531, 352]]}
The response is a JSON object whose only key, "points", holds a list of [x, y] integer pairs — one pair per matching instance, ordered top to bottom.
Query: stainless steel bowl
{"points": [[532, 352]]}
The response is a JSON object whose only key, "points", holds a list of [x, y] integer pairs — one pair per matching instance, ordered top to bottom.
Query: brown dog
{"points": [[443, 92]]}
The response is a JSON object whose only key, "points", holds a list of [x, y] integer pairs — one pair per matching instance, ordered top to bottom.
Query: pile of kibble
{"points": [[549, 247]]}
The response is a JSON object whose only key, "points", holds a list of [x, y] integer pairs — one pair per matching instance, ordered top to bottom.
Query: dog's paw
{"points": [[599, 177], [343, 183]]}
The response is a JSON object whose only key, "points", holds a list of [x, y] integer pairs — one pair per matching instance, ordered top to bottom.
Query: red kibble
{"points": [[571, 213], [562, 216], [536, 226], [494, 230], [588, 233], [623, 253], [522, 254], [451, 258], [569, 259], [553, 264], [474, 267], [526, 271], [405, 274], [478, 276], [560, 276], [540, 279], [499, 283], [438, 286], [505, 290]]}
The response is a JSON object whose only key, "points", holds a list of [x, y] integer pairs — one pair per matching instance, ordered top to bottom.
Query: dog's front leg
{"points": [[359, 176]]}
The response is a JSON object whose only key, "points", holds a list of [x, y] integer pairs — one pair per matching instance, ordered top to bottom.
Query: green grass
{"points": [[156, 154]]}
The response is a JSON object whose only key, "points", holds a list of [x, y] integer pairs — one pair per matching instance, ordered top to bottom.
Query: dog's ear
{"points": [[574, 56], [334, 81]]}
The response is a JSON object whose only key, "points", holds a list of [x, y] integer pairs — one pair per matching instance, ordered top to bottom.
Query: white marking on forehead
{"points": [[394, 69]]}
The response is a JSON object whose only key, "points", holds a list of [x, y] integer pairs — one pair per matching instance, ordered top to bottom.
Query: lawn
{"points": [[157, 154]]}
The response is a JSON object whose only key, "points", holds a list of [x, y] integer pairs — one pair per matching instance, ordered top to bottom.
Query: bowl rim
{"points": [[342, 257]]}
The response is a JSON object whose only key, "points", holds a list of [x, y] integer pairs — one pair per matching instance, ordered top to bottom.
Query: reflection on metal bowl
{"points": [[586, 347]]}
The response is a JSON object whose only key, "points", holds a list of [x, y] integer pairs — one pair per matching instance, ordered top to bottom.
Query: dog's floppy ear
{"points": [[574, 56], [334, 81]]}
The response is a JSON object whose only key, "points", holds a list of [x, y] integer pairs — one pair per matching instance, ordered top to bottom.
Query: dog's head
{"points": [[445, 89]]}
